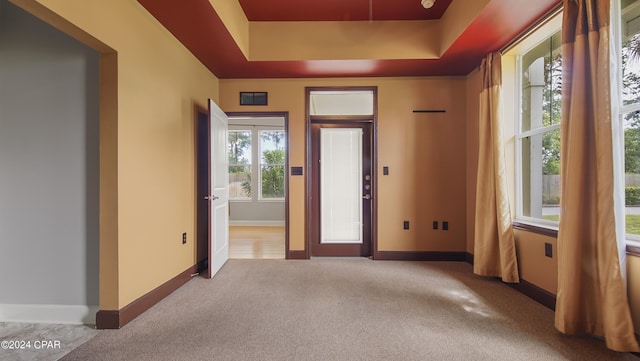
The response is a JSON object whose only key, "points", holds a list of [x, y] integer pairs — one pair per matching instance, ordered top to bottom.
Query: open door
{"points": [[218, 198]]}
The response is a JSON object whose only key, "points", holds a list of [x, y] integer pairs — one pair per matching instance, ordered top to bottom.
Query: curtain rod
{"points": [[548, 15]]}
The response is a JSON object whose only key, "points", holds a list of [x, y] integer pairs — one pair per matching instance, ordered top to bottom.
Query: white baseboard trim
{"points": [[257, 223], [60, 314]]}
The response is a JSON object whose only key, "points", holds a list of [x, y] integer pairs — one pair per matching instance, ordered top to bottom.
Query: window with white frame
{"points": [[627, 30], [539, 75], [539, 79], [256, 163]]}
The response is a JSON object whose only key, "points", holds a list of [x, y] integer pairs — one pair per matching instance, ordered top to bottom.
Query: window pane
{"points": [[630, 52], [542, 84], [541, 99], [341, 102], [631, 121], [272, 143], [239, 164], [632, 171], [541, 176]]}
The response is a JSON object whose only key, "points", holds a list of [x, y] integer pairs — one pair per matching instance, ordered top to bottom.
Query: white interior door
{"points": [[219, 197]]}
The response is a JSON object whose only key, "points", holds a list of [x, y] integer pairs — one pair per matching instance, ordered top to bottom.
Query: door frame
{"points": [[285, 116], [203, 162], [312, 223]]}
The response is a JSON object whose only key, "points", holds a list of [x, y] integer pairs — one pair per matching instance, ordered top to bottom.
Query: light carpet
{"points": [[332, 309]]}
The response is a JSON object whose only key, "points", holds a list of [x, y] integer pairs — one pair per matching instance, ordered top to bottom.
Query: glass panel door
{"points": [[341, 185]]}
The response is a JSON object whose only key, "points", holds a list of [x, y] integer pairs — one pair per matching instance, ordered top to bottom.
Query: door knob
{"points": [[366, 196], [211, 198]]}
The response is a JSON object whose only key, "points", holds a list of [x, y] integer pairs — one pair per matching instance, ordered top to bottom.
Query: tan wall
{"points": [[292, 40], [474, 86], [150, 137], [425, 153], [534, 266]]}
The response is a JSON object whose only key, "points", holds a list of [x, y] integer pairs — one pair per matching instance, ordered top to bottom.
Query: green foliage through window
{"points": [[239, 149], [271, 165], [272, 174]]}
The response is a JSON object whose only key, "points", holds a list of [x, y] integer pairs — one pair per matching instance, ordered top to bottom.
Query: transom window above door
{"points": [[341, 102]]}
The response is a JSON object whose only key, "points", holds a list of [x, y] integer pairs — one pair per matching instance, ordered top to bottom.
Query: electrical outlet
{"points": [[385, 170], [435, 224], [406, 225], [445, 225], [184, 238], [548, 250]]}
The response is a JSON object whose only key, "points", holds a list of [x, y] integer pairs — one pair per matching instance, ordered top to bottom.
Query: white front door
{"points": [[219, 197]]}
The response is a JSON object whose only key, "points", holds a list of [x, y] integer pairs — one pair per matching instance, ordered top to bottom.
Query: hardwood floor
{"points": [[256, 242]]}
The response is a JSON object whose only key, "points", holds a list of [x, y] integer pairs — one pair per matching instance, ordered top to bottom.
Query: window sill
{"points": [[545, 230]]}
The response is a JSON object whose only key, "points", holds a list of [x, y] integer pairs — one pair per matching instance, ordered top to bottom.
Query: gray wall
{"points": [[49, 172], [243, 212]]}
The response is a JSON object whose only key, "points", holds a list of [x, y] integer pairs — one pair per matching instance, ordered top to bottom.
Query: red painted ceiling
{"points": [[341, 10], [199, 28]]}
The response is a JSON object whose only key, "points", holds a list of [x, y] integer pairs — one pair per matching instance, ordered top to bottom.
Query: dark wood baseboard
{"points": [[297, 255], [419, 256], [468, 258], [534, 292], [538, 294], [115, 319], [108, 320]]}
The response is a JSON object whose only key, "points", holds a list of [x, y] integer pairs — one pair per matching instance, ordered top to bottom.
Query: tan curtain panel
{"points": [[494, 244], [592, 294]]}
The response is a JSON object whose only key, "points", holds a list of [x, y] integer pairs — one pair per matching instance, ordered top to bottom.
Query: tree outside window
{"points": [[239, 164], [272, 164]]}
